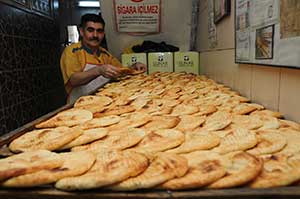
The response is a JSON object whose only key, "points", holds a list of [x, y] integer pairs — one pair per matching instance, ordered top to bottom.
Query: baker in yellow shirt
{"points": [[86, 66]]}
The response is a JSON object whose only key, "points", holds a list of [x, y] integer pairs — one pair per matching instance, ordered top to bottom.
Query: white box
{"points": [[132, 58], [160, 61], [186, 62]]}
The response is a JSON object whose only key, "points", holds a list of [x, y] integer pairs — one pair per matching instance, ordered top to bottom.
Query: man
{"points": [[85, 65]]}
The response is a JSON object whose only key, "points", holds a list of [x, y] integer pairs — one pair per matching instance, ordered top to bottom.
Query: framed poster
{"points": [[221, 9], [137, 16], [267, 32], [264, 42]]}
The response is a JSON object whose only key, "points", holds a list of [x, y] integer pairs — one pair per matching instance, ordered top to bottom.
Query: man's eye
{"points": [[90, 29], [100, 30]]}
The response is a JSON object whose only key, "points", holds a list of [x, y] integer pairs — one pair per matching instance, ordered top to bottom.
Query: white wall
{"points": [[175, 27], [277, 88]]}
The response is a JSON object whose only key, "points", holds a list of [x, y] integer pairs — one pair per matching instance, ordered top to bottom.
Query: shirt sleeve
{"points": [[112, 60], [69, 64]]}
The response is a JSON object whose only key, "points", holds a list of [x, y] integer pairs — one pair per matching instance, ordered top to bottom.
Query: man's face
{"points": [[92, 34]]}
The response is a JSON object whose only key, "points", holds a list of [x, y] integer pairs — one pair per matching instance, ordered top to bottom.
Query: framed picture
{"points": [[221, 9], [264, 43]]}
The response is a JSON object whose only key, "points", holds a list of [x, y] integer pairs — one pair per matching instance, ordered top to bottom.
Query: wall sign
{"points": [[137, 16]]}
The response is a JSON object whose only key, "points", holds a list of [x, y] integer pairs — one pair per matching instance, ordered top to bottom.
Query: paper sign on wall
{"points": [[137, 16]]}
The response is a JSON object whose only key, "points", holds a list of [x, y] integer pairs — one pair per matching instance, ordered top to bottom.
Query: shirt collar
{"points": [[89, 50]]}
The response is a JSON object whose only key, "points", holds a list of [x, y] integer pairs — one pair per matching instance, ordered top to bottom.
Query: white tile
{"points": [[225, 31], [202, 36], [206, 66], [220, 66], [244, 78], [265, 86], [289, 99]]}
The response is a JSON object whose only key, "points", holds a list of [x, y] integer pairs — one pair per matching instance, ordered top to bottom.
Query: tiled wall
{"points": [[30, 80], [277, 88]]}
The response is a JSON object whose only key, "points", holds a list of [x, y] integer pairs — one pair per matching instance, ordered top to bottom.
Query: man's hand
{"points": [[139, 66], [109, 71], [84, 77]]}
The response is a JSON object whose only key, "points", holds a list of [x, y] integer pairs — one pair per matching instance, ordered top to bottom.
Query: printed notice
{"points": [[264, 12], [243, 15], [137, 16], [212, 29], [243, 45]]}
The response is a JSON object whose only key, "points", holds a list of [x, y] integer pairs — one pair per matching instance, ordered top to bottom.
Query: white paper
{"points": [[264, 12], [243, 14], [141, 16], [212, 30], [243, 45]]}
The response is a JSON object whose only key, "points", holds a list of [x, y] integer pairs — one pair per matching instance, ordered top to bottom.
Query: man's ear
{"points": [[81, 31]]}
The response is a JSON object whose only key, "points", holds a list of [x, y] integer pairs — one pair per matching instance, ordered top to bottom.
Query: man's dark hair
{"points": [[91, 17]]}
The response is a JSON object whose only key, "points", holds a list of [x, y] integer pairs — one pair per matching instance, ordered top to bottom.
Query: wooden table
{"points": [[236, 193]]}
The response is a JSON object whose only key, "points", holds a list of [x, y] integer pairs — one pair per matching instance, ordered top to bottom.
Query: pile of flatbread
{"points": [[171, 131]]}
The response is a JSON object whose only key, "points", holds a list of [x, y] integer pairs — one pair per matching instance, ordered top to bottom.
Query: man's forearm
{"points": [[81, 78]]}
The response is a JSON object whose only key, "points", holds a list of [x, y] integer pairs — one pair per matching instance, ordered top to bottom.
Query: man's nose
{"points": [[95, 33]]}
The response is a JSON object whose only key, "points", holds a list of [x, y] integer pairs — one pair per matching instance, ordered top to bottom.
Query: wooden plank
{"points": [[49, 193], [238, 193], [243, 193]]}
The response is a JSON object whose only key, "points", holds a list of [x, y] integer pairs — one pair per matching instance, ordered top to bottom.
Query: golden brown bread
{"points": [[70, 117], [49, 139], [28, 162], [74, 163], [110, 167], [164, 167]]}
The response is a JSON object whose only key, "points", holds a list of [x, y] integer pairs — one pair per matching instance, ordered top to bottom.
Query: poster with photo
{"points": [[264, 42]]}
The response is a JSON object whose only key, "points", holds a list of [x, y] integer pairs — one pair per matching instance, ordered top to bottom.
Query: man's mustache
{"points": [[94, 39]]}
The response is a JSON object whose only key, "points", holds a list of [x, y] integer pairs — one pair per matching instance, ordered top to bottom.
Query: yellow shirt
{"points": [[76, 56]]}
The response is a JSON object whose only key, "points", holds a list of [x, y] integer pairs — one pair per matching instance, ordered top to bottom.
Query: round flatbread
{"points": [[93, 100], [71, 117], [217, 121], [101, 122], [87, 136], [49, 139], [121, 140], [160, 140], [237, 140], [196, 141], [268, 142], [28, 162], [74, 163], [110, 167], [205, 167], [163, 168], [241, 169], [278, 170]]}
